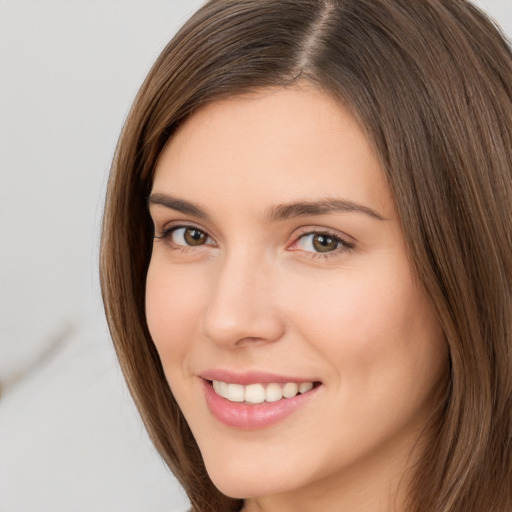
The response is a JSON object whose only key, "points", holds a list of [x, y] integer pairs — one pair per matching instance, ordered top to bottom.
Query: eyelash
{"points": [[167, 233], [343, 244]]}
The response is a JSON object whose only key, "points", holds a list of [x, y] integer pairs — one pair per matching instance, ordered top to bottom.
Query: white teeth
{"points": [[304, 387], [223, 389], [290, 389], [235, 393], [255, 393], [259, 393], [273, 393]]}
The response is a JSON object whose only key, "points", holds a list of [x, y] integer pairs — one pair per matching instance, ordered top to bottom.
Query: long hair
{"points": [[430, 82]]}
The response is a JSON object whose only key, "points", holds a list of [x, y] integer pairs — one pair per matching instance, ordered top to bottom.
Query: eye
{"points": [[186, 236], [321, 243]]}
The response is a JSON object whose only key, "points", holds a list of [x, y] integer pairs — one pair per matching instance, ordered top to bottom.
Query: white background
{"points": [[69, 69]]}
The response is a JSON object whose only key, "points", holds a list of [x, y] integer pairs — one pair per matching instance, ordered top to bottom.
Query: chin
{"points": [[248, 480]]}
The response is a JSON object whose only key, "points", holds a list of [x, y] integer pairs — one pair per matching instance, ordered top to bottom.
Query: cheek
{"points": [[173, 303], [348, 312], [376, 328]]}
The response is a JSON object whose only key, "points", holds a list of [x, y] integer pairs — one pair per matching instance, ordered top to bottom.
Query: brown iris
{"points": [[194, 236], [324, 243]]}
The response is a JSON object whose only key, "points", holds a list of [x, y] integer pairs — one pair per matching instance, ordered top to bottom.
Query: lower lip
{"points": [[249, 417]]}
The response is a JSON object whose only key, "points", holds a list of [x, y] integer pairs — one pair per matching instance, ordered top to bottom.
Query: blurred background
{"points": [[70, 439]]}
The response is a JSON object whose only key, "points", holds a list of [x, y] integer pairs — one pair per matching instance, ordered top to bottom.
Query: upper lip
{"points": [[251, 377]]}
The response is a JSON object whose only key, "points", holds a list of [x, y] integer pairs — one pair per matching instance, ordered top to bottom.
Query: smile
{"points": [[259, 393], [254, 405]]}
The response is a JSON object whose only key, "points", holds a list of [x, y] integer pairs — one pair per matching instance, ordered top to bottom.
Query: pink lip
{"points": [[253, 377], [251, 417]]}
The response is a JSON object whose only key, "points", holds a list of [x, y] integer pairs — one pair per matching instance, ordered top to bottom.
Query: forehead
{"points": [[276, 145]]}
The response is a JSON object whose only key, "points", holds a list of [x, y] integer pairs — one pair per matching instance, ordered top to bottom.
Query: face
{"points": [[293, 335]]}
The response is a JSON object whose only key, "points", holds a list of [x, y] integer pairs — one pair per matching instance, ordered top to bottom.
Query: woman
{"points": [[306, 256]]}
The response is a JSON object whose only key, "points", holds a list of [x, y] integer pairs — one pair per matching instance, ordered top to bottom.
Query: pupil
{"points": [[194, 237], [324, 243]]}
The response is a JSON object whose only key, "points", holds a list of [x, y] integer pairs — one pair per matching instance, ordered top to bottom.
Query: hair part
{"points": [[430, 82]]}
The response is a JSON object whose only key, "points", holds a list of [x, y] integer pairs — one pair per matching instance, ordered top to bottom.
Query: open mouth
{"points": [[257, 393], [254, 405]]}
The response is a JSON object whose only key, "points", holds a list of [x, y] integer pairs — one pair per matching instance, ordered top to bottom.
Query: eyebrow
{"points": [[179, 205], [320, 207], [275, 213]]}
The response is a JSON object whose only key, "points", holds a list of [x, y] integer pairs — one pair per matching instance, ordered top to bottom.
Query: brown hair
{"points": [[431, 84]]}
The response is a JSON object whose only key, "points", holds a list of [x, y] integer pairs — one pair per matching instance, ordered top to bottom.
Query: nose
{"points": [[242, 307]]}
